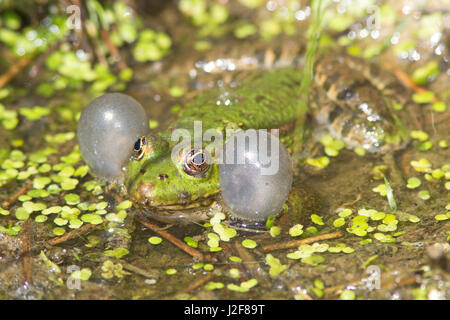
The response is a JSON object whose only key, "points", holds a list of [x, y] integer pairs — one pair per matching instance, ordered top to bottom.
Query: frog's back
{"points": [[268, 99], [362, 104]]}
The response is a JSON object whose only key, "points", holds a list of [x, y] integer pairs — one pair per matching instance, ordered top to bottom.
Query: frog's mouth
{"points": [[145, 199], [180, 206], [178, 212]]}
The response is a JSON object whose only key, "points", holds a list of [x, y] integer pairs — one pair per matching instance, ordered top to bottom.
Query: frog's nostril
{"points": [[163, 176]]}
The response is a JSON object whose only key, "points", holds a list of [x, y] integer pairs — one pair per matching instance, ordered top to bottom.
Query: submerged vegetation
{"points": [[372, 211]]}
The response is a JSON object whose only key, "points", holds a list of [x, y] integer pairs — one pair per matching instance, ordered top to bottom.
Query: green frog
{"points": [[353, 100]]}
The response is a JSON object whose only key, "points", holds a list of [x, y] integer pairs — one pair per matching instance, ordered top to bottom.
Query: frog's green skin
{"points": [[270, 99], [262, 101]]}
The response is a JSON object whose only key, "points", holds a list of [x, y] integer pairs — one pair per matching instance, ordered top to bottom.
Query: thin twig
{"points": [[113, 49], [37, 66], [14, 70], [408, 82], [15, 196], [352, 202], [85, 229], [177, 242], [296, 243], [249, 264], [26, 265], [137, 270], [196, 284], [387, 284]]}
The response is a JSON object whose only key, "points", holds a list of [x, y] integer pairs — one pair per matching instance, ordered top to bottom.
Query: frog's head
{"points": [[155, 178]]}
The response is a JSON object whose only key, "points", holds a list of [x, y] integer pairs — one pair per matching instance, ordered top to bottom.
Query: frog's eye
{"points": [[139, 148], [196, 162]]}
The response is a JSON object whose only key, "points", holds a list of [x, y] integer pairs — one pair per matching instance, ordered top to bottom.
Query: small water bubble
{"points": [[271, 5], [341, 8], [406, 9], [308, 11], [300, 15], [54, 29], [363, 33], [375, 34], [31, 35], [351, 35], [395, 38], [435, 38], [38, 42], [439, 49], [20, 51], [82, 55], [404, 55], [415, 56], [192, 73]]}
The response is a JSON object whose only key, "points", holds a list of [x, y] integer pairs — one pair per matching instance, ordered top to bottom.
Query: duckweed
{"points": [[151, 46], [423, 97], [439, 106], [34, 113], [332, 146], [360, 151], [320, 162], [421, 165], [41, 182], [413, 183], [424, 194], [72, 198], [121, 206], [4, 212], [344, 213], [22, 214], [442, 216], [91, 218], [317, 219], [60, 221], [339, 222], [75, 223], [296, 230], [58, 231], [275, 231], [384, 237], [155, 240], [191, 242], [249, 244], [117, 252], [235, 259], [313, 260], [275, 265], [198, 266], [208, 267], [110, 270], [171, 271], [234, 273], [83, 274], [211, 285], [243, 286], [347, 295]]}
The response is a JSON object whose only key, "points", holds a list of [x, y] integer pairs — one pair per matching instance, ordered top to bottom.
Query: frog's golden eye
{"points": [[139, 148], [196, 162]]}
